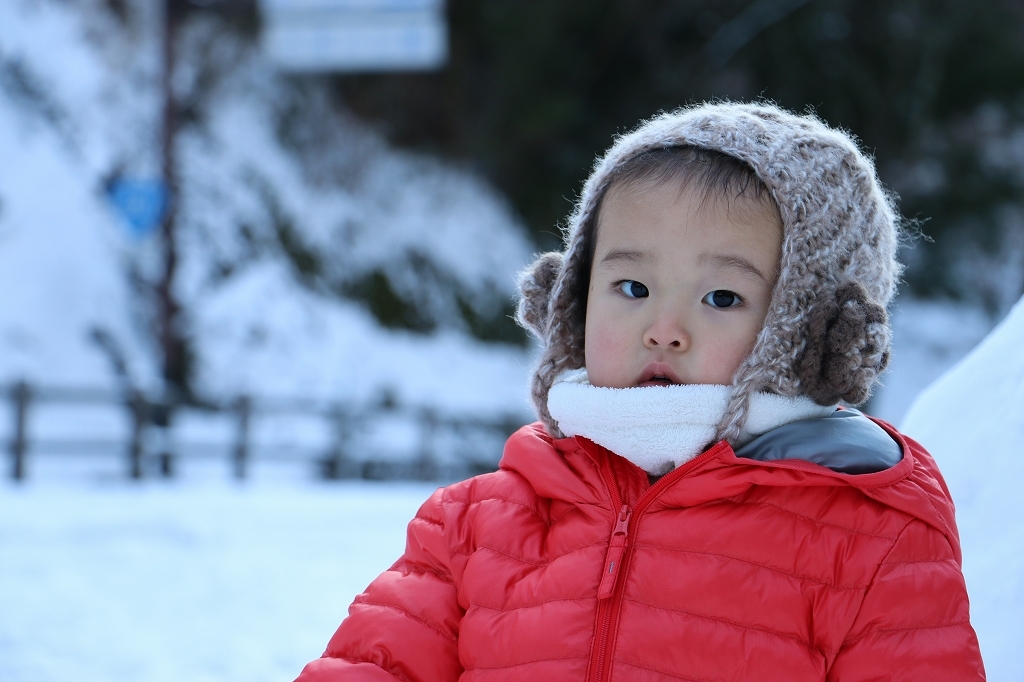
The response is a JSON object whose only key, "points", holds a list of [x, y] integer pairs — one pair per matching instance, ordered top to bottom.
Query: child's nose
{"points": [[667, 333]]}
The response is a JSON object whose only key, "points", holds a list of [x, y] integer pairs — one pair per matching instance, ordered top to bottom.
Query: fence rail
{"points": [[150, 444]]}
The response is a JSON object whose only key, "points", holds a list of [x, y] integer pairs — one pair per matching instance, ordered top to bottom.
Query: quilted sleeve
{"points": [[914, 622], [405, 626]]}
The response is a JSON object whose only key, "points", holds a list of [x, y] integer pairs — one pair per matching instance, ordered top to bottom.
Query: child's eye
{"points": [[633, 289], [722, 298]]}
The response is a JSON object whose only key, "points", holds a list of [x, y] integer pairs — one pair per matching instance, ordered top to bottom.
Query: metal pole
{"points": [[168, 322], [20, 396], [244, 408]]}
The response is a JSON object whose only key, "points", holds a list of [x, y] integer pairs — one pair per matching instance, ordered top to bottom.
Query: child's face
{"points": [[679, 286]]}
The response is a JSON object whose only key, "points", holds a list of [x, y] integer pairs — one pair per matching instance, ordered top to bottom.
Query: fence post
{"points": [[20, 396], [136, 405], [243, 406], [161, 415], [336, 463], [426, 468]]}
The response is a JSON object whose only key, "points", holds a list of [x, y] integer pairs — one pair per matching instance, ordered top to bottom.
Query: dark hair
{"points": [[712, 173]]}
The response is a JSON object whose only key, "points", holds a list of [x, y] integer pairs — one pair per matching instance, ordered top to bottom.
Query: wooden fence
{"points": [[142, 453]]}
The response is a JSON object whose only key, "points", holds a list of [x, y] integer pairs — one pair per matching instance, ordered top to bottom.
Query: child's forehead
{"points": [[675, 195], [661, 235]]}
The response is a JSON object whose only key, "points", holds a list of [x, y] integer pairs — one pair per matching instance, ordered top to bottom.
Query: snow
{"points": [[79, 103], [59, 255], [928, 338], [306, 348], [971, 420], [198, 578], [195, 582]]}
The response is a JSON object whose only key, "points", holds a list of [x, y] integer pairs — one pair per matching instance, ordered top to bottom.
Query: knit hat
{"points": [[826, 334]]}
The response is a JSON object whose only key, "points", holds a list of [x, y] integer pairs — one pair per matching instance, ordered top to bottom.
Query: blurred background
{"points": [[258, 258]]}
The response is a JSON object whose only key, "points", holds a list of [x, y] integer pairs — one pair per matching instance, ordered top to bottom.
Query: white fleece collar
{"points": [[660, 427]]}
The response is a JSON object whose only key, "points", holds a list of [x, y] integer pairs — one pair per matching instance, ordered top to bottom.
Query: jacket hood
{"points": [[569, 469]]}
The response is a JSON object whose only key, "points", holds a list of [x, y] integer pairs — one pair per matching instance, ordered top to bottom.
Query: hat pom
{"points": [[535, 285], [847, 347]]}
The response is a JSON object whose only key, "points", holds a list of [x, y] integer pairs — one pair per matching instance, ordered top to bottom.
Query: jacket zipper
{"points": [[616, 546], [617, 561], [610, 571]]}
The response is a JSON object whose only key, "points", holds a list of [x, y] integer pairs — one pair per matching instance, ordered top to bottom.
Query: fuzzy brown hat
{"points": [[826, 334]]}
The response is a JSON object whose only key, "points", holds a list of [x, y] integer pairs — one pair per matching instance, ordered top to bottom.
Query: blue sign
{"points": [[140, 202]]}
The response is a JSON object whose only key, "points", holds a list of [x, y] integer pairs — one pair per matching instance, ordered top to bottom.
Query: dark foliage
{"points": [[535, 89]]}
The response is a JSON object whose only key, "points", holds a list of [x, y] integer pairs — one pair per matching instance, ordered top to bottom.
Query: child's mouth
{"points": [[658, 374], [658, 381]]}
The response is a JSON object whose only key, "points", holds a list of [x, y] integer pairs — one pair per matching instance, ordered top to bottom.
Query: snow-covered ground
{"points": [[202, 582]]}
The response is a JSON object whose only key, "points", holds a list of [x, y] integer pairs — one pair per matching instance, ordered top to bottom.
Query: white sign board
{"points": [[355, 35]]}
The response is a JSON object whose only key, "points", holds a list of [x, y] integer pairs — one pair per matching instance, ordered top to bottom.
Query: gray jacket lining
{"points": [[845, 441]]}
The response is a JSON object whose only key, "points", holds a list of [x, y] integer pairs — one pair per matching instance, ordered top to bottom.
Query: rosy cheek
{"points": [[607, 347], [722, 361]]}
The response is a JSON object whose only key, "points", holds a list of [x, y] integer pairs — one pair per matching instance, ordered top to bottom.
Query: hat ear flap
{"points": [[535, 285], [847, 347]]}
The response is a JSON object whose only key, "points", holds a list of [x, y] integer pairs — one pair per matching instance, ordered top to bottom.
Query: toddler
{"points": [[694, 504]]}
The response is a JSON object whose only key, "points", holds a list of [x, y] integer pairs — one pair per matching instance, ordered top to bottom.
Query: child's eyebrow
{"points": [[627, 255], [731, 261]]}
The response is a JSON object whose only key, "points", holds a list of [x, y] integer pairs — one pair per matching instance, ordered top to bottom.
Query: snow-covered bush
{"points": [[315, 260]]}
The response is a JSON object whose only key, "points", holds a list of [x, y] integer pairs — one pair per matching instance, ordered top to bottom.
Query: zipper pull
{"points": [[616, 547]]}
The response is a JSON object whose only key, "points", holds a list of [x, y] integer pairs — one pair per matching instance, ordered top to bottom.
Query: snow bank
{"points": [[928, 338], [971, 419]]}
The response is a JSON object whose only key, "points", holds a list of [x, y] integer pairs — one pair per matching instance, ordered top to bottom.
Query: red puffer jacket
{"points": [[567, 565]]}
